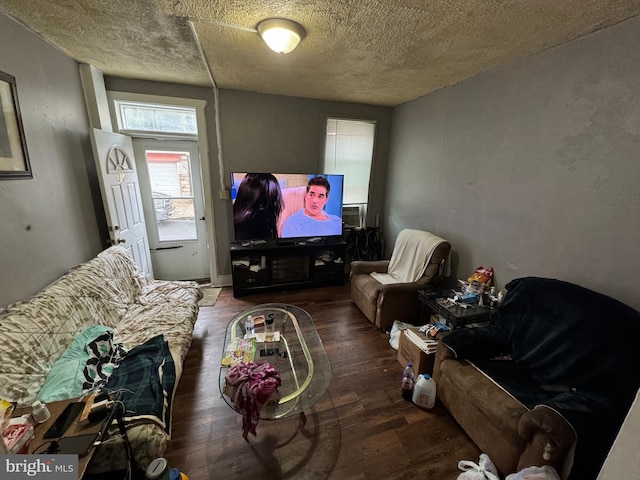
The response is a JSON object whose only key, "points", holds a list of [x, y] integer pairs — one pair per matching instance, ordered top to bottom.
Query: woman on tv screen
{"points": [[257, 206]]}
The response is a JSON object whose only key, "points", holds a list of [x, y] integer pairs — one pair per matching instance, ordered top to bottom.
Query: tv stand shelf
{"points": [[286, 265]]}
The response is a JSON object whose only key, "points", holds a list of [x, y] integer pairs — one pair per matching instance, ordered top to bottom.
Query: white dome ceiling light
{"points": [[281, 35]]}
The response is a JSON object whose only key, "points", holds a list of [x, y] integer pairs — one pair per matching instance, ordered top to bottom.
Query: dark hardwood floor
{"points": [[361, 429]]}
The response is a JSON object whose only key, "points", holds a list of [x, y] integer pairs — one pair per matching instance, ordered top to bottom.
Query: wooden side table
{"points": [[455, 316], [39, 444]]}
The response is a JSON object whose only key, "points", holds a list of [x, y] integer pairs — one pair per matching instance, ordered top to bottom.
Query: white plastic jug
{"points": [[424, 391]]}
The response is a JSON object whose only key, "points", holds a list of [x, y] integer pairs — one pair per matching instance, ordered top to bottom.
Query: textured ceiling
{"points": [[365, 51]]}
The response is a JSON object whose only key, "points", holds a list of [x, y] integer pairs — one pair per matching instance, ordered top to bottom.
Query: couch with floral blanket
{"points": [[103, 323]]}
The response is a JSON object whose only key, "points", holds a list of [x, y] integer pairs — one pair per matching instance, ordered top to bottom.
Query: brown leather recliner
{"points": [[382, 303]]}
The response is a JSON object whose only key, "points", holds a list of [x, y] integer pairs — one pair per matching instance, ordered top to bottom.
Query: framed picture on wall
{"points": [[14, 160]]}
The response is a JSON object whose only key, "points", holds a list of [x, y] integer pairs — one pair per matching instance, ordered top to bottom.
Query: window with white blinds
{"points": [[349, 151]]}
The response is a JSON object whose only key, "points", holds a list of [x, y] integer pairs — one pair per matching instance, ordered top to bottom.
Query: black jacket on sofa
{"points": [[567, 347]]}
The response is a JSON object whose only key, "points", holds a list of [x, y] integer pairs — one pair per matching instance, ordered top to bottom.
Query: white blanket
{"points": [[411, 255]]}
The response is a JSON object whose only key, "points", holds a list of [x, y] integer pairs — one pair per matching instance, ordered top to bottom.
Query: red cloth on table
{"points": [[252, 385]]}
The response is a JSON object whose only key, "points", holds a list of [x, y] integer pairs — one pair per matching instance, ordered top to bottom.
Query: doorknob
{"points": [[122, 240]]}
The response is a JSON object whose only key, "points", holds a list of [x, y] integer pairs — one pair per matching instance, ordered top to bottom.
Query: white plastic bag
{"points": [[396, 330], [484, 470], [546, 472]]}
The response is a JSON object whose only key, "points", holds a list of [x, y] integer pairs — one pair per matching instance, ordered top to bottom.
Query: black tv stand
{"points": [[285, 243], [285, 264]]}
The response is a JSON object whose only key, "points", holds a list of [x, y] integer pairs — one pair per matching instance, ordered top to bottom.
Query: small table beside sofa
{"points": [[453, 315]]}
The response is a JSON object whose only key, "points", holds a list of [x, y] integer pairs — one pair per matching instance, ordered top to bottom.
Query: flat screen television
{"points": [[286, 205]]}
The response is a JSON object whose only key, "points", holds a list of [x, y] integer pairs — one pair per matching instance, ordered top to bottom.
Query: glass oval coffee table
{"points": [[294, 349]]}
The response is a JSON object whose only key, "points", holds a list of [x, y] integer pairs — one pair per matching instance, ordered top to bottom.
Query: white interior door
{"points": [[121, 194], [173, 200]]}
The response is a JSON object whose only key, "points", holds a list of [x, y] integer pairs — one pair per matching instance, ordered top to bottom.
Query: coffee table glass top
{"points": [[296, 351]]}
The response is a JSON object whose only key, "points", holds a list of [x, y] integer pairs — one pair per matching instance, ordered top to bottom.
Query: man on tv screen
{"points": [[256, 207], [312, 220]]}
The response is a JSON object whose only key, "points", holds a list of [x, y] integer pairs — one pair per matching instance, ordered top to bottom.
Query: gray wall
{"points": [[286, 134], [533, 168], [48, 223]]}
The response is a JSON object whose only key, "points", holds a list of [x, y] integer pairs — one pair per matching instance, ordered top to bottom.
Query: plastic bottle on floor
{"points": [[408, 370], [407, 381], [424, 391], [158, 469], [175, 474]]}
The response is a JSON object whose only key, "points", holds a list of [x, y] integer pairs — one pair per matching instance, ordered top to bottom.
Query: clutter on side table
{"points": [[482, 276], [477, 289], [433, 329], [421, 340], [6, 409], [40, 412], [17, 435]]}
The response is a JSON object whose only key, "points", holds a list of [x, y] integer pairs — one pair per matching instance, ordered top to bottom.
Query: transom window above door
{"points": [[156, 118]]}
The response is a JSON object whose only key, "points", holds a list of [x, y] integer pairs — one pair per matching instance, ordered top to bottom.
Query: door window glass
{"points": [[172, 191]]}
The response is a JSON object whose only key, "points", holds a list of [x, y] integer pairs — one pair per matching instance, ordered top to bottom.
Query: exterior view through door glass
{"points": [[171, 186], [172, 191]]}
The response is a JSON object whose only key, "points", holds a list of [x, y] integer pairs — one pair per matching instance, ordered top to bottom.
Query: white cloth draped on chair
{"points": [[411, 255]]}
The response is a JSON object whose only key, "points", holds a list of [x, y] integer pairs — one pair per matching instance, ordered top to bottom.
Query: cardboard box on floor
{"points": [[410, 352]]}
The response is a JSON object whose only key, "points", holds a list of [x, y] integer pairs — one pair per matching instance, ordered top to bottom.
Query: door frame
{"points": [[205, 162], [164, 252]]}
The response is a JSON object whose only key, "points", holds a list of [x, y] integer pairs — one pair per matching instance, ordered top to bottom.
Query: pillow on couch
{"points": [[86, 364]]}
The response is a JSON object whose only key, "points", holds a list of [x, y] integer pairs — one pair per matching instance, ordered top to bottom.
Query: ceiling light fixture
{"points": [[281, 35]]}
